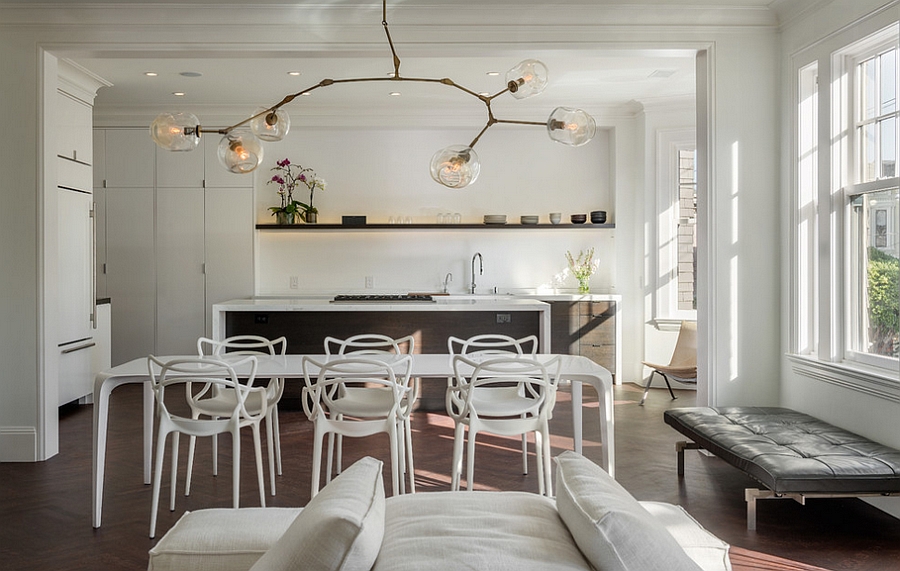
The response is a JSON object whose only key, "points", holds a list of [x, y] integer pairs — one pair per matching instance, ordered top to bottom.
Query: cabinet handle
{"points": [[93, 268], [79, 348]]}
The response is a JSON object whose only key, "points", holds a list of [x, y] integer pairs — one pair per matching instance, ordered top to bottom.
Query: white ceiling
{"points": [[594, 79]]}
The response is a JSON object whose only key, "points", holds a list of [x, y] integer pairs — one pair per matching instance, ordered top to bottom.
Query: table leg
{"points": [[577, 420], [607, 430], [98, 456]]}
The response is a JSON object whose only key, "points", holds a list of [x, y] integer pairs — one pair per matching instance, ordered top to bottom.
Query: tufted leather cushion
{"points": [[788, 451]]}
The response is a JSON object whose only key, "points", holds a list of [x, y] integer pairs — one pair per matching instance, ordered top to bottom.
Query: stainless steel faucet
{"points": [[480, 270], [447, 279]]}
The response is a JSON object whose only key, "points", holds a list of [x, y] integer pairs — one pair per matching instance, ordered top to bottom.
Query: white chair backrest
{"points": [[492, 343], [370, 344], [242, 345], [209, 373], [537, 380], [325, 381]]}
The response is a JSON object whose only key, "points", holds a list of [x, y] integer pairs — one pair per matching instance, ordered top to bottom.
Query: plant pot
{"points": [[284, 217], [311, 217]]}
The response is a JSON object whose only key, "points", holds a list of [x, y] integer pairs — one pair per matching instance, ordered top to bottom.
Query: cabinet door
{"points": [[75, 120], [130, 158], [99, 165], [179, 169], [229, 246], [131, 273], [180, 284], [76, 293], [564, 324], [598, 332]]}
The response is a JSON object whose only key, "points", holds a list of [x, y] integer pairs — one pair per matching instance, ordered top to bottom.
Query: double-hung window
{"points": [[846, 271]]}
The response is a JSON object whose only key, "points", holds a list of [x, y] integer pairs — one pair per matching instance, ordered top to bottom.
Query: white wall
{"points": [[744, 295]]}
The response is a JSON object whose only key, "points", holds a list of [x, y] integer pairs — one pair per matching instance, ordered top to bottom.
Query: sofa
{"points": [[592, 524]]}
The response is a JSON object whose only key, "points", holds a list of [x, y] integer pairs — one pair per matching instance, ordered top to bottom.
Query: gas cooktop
{"points": [[382, 298]]}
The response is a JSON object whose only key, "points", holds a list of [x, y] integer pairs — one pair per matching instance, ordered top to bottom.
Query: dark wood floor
{"points": [[45, 514]]}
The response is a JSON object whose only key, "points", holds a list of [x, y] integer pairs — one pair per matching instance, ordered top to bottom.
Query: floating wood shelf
{"points": [[380, 226]]}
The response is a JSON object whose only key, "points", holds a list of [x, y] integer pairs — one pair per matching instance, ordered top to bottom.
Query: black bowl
{"points": [[578, 218]]}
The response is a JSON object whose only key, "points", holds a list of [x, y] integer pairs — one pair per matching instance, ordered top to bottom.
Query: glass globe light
{"points": [[526, 79], [269, 125], [572, 127], [176, 131], [240, 151], [456, 166]]}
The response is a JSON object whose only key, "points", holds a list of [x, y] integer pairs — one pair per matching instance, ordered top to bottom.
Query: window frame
{"points": [[824, 175]]}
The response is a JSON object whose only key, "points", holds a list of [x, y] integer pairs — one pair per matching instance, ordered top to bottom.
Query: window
{"points": [[687, 229], [845, 273], [873, 283]]}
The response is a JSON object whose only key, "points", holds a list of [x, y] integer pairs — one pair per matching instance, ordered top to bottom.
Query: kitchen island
{"points": [[306, 321]]}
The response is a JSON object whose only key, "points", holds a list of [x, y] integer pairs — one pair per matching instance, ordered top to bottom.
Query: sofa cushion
{"points": [[610, 527], [339, 529], [500, 531], [197, 543], [707, 550]]}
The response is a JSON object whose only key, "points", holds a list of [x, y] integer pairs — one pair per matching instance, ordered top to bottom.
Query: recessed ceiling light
{"points": [[150, 73], [294, 73], [493, 73], [190, 74], [178, 93], [394, 93], [306, 94], [484, 94]]}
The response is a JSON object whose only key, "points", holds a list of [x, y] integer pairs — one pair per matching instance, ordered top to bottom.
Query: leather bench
{"points": [[792, 454]]}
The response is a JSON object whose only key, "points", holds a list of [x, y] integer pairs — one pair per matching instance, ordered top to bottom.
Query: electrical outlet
{"points": [[295, 282], [370, 282], [504, 318]]}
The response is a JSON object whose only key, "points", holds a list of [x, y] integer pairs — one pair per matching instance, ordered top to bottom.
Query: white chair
{"points": [[495, 344], [683, 365], [183, 382], [377, 397], [222, 401], [327, 404], [513, 412]]}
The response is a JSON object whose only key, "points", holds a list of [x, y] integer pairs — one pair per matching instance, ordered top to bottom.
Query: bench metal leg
{"points": [[680, 447]]}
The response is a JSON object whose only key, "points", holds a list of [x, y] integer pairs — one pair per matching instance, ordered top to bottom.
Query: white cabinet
{"points": [[74, 124], [130, 159], [171, 248], [131, 271], [180, 283], [76, 292]]}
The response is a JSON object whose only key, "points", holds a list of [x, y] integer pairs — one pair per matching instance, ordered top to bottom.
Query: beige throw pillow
{"points": [[610, 527], [339, 530]]}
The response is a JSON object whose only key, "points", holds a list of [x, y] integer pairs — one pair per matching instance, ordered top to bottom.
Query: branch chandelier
{"points": [[457, 166]]}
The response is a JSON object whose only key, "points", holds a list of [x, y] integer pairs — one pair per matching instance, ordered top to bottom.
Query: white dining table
{"points": [[572, 367]]}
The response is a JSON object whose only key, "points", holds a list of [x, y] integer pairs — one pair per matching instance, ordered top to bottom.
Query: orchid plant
{"points": [[288, 177]]}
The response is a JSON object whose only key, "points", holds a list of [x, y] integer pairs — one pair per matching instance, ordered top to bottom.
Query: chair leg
{"points": [[647, 388], [671, 393], [277, 432], [192, 443], [257, 446], [270, 446], [409, 450], [215, 452], [539, 452], [524, 453], [470, 460], [317, 461], [329, 461], [395, 463], [236, 468], [456, 471], [548, 471], [157, 480], [172, 485]]}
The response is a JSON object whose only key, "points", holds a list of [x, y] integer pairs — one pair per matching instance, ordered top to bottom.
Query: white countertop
{"points": [[441, 303]]}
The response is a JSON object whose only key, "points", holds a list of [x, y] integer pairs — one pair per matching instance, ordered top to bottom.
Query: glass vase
{"points": [[284, 217], [584, 284]]}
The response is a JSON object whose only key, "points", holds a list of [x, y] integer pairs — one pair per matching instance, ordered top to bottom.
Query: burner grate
{"points": [[382, 298]]}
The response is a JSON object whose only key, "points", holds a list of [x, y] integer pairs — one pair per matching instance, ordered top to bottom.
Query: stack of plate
{"points": [[495, 218], [529, 219]]}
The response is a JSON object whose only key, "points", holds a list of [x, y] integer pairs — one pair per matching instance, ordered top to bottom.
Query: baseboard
{"points": [[18, 444]]}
